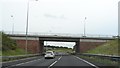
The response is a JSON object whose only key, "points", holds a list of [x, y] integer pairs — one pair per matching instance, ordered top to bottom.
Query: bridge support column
{"points": [[41, 46], [77, 47]]}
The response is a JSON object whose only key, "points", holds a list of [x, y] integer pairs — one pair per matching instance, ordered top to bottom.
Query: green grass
{"points": [[109, 48], [13, 52], [16, 52], [0, 53], [100, 60]]}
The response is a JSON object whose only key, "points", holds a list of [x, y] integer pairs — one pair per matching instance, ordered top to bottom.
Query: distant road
{"points": [[58, 61]]}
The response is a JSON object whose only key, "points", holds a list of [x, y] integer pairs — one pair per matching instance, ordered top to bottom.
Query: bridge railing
{"points": [[61, 34]]}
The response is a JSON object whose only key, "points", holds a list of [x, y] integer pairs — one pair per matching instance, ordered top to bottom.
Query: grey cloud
{"points": [[55, 16]]}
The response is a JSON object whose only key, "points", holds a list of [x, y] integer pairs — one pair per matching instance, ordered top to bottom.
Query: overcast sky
{"points": [[61, 16], [64, 44]]}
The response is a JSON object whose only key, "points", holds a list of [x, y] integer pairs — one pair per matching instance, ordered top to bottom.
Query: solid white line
{"points": [[19, 59], [26, 62], [87, 62], [18, 64], [52, 64]]}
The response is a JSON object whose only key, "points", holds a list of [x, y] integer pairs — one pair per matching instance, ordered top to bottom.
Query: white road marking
{"points": [[60, 58], [19, 60], [26, 62], [87, 62], [52, 64]]}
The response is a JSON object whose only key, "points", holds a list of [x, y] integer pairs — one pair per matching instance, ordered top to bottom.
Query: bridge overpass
{"points": [[36, 42]]}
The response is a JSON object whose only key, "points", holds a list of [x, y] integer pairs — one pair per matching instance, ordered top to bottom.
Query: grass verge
{"points": [[109, 48], [13, 52], [16, 52], [0, 53], [100, 61]]}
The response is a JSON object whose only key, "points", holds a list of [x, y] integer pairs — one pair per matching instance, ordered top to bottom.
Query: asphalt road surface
{"points": [[58, 61]]}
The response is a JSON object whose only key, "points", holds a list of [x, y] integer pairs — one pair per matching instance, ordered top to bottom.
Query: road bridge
{"points": [[36, 42]]}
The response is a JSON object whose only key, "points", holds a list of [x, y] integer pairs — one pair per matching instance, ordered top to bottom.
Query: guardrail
{"points": [[60, 34], [110, 57], [8, 58]]}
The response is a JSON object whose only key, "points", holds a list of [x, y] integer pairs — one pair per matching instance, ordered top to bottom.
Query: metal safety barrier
{"points": [[110, 57], [8, 58]]}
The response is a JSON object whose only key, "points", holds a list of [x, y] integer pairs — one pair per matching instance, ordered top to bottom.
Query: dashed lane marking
{"points": [[60, 58], [52, 64]]}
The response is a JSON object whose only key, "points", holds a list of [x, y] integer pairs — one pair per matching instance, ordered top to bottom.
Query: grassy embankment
{"points": [[0, 44], [9, 46], [109, 48], [15, 52], [0, 53]]}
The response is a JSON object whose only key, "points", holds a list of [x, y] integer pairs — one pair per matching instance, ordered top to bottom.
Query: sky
{"points": [[60, 16], [119, 19], [64, 44]]}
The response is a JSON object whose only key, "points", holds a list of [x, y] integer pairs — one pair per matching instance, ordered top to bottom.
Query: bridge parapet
{"points": [[31, 34]]}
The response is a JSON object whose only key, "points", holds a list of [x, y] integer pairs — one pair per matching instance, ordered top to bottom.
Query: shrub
{"points": [[8, 43]]}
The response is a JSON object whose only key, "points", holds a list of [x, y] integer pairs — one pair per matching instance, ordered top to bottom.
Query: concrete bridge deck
{"points": [[65, 36]]}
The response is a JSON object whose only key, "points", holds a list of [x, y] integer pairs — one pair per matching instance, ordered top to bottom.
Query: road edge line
{"points": [[19, 60], [25, 62], [87, 62]]}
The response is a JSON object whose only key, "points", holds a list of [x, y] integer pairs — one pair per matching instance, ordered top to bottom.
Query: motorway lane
{"points": [[58, 61], [14, 62], [40, 62], [72, 62]]}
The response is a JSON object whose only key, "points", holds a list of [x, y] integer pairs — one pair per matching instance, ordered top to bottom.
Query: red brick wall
{"points": [[33, 45], [85, 46]]}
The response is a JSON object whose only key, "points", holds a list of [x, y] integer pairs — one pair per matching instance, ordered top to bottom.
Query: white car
{"points": [[49, 54]]}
